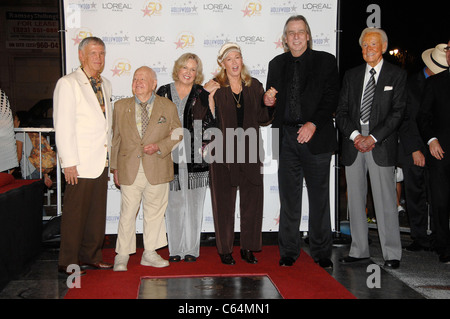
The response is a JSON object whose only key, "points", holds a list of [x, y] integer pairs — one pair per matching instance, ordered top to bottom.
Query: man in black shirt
{"points": [[303, 92]]}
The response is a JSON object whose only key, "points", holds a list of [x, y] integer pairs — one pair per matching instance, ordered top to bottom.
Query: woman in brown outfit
{"points": [[239, 111]]}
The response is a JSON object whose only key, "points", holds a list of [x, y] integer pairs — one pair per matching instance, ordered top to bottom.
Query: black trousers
{"points": [[297, 162], [416, 191], [440, 199]]}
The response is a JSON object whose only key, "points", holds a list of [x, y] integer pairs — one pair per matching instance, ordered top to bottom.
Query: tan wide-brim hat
{"points": [[227, 48], [435, 59]]}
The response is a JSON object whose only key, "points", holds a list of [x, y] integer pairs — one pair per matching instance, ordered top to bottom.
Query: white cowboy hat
{"points": [[435, 59]]}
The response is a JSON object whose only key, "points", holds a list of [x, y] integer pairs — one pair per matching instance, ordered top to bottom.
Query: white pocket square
{"points": [[388, 88]]}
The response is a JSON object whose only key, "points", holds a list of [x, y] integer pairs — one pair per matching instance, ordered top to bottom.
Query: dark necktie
{"points": [[369, 92], [294, 103], [144, 117]]}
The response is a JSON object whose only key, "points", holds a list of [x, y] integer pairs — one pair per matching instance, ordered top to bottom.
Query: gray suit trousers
{"points": [[382, 181]]}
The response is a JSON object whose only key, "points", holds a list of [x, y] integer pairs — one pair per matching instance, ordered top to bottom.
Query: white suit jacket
{"points": [[83, 133]]}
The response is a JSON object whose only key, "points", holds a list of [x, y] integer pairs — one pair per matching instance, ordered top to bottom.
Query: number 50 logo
{"points": [[252, 8], [185, 40]]}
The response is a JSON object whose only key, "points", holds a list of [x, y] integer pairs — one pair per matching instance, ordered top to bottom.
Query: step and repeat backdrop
{"points": [[155, 33]]}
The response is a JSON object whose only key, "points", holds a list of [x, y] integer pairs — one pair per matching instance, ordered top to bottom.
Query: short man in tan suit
{"points": [[144, 134]]}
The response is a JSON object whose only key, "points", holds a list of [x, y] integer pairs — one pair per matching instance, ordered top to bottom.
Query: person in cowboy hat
{"points": [[435, 59], [433, 119], [412, 150]]}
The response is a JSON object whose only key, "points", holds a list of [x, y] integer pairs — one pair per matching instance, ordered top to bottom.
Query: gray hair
{"points": [[308, 30], [381, 32], [88, 40]]}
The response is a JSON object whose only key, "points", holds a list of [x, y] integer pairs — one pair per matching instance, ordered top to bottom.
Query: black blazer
{"points": [[319, 100], [387, 112], [434, 114], [410, 139]]}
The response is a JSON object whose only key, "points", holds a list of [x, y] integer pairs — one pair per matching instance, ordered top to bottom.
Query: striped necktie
{"points": [[369, 92], [144, 117]]}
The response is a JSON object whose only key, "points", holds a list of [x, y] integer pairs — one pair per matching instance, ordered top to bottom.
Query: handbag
{"points": [[42, 149]]}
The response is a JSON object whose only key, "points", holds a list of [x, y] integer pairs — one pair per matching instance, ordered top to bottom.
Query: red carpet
{"points": [[304, 280]]}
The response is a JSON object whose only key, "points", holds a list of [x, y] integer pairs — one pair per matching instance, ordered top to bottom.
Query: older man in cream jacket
{"points": [[82, 120]]}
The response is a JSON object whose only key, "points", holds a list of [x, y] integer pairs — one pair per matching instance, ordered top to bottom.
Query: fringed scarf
{"points": [[198, 173]]}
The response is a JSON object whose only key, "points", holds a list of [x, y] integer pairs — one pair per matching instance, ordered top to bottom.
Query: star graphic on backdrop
{"points": [[146, 11], [246, 11], [77, 40], [179, 44], [279, 44], [115, 71], [214, 73], [277, 220]]}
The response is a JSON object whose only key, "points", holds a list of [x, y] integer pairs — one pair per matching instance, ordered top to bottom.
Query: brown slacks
{"points": [[223, 197], [83, 221]]}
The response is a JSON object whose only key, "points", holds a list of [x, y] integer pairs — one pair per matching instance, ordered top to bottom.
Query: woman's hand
{"points": [[270, 97]]}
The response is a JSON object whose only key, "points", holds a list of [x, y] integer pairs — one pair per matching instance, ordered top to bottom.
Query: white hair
{"points": [[381, 32]]}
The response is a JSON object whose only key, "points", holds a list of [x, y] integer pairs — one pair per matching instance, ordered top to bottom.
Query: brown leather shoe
{"points": [[100, 265], [63, 269]]}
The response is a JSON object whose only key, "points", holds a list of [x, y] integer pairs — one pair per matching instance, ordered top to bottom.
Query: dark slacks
{"points": [[297, 162], [416, 190], [223, 197], [440, 199], [83, 221]]}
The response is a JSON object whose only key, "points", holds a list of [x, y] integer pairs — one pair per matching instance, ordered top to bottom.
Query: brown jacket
{"points": [[255, 115], [127, 144]]}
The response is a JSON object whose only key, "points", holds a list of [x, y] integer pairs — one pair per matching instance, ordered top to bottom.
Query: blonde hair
{"points": [[182, 61], [222, 77]]}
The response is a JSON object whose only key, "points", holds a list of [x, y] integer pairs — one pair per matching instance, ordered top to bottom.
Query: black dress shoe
{"points": [[415, 246], [248, 256], [190, 258], [444, 258], [174, 259], [227, 259], [349, 259], [287, 261], [325, 263], [393, 264], [99, 265]]}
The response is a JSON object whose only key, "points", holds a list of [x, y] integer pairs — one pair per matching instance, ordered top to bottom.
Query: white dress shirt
{"points": [[367, 76]]}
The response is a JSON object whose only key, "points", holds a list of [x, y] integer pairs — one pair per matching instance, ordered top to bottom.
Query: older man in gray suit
{"points": [[370, 111]]}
